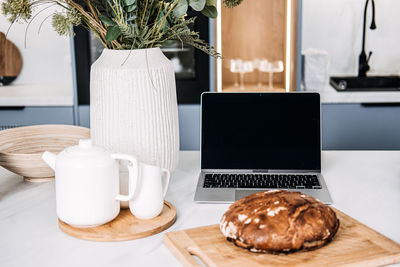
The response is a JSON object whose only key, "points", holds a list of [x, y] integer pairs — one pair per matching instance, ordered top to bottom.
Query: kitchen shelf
{"points": [[258, 30], [253, 87], [36, 95], [330, 96]]}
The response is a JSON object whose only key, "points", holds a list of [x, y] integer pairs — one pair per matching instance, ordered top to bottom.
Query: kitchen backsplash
{"points": [[336, 26], [46, 57]]}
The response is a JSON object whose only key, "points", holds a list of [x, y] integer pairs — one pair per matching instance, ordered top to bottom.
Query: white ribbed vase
{"points": [[133, 105]]}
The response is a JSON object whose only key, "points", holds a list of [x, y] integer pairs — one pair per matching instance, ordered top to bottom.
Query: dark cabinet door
{"points": [[192, 66]]}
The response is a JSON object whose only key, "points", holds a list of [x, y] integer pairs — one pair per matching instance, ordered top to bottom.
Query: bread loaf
{"points": [[279, 221]]}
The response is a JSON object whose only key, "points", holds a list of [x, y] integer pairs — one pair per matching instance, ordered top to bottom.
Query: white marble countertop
{"points": [[36, 95], [62, 95], [330, 96], [363, 184]]}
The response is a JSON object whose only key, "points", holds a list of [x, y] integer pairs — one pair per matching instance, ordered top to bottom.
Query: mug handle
{"points": [[133, 175], [165, 180]]}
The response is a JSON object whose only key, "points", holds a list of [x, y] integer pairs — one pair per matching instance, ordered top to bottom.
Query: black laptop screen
{"points": [[264, 131]]}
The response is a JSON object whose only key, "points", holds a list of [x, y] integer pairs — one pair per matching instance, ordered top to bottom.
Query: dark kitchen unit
{"points": [[192, 66]]}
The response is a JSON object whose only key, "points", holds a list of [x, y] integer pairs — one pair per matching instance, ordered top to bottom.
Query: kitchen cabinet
{"points": [[258, 30], [192, 66], [30, 104], [24, 116], [347, 123], [189, 124], [344, 126], [360, 126]]}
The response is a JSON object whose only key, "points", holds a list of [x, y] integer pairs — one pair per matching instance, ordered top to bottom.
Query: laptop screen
{"points": [[261, 131]]}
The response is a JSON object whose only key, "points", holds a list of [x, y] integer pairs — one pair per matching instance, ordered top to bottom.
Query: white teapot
{"points": [[87, 183]]}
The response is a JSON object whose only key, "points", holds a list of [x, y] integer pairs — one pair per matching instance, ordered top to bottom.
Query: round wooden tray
{"points": [[38, 180], [124, 227]]}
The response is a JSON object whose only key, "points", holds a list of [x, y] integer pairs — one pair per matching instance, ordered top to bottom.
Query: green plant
{"points": [[124, 24]]}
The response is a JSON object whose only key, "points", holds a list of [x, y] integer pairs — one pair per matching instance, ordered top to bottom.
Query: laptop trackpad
{"points": [[243, 193]]}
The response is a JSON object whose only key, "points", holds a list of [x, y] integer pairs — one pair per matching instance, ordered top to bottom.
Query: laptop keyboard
{"points": [[286, 181]]}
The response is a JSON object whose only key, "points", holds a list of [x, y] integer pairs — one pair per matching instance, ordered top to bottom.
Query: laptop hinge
{"points": [[258, 171], [286, 171]]}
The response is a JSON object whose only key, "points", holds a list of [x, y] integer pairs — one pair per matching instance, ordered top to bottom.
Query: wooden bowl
{"points": [[21, 148]]}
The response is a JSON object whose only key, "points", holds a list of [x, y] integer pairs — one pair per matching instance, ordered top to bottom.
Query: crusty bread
{"points": [[279, 221]]}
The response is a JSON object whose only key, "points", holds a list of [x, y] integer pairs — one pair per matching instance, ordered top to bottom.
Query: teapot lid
{"points": [[85, 143], [85, 150]]}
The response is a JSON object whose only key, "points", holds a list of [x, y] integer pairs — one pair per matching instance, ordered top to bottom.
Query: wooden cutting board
{"points": [[10, 60], [354, 245]]}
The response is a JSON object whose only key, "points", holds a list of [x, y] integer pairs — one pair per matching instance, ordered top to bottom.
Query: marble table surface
{"points": [[363, 184]]}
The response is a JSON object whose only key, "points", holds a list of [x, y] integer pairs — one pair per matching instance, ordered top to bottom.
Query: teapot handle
{"points": [[133, 175], [165, 180]]}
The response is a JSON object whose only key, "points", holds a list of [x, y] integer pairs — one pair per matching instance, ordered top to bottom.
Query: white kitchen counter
{"points": [[36, 95], [62, 95], [330, 96], [363, 184]]}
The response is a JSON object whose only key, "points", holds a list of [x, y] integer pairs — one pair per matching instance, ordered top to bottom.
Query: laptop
{"points": [[252, 142]]}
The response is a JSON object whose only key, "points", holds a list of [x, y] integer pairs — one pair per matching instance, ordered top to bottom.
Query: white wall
{"points": [[336, 26], [47, 56]]}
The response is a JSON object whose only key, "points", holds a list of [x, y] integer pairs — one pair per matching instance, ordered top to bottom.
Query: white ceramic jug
{"points": [[87, 183], [152, 185]]}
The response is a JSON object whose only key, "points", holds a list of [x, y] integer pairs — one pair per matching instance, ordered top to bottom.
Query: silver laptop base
{"points": [[229, 195]]}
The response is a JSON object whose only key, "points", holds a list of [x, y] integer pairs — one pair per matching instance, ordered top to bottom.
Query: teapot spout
{"points": [[50, 159]]}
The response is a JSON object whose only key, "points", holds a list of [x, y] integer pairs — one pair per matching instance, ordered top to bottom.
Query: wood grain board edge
{"points": [[38, 180], [106, 233], [108, 238], [383, 240], [183, 247], [180, 251]]}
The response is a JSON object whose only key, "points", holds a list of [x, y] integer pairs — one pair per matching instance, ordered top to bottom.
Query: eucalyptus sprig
{"points": [[124, 24]]}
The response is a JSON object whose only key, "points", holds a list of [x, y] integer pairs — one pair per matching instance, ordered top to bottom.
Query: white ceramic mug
{"points": [[151, 187]]}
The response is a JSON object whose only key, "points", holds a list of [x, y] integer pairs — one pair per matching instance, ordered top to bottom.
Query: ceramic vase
{"points": [[133, 105]]}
